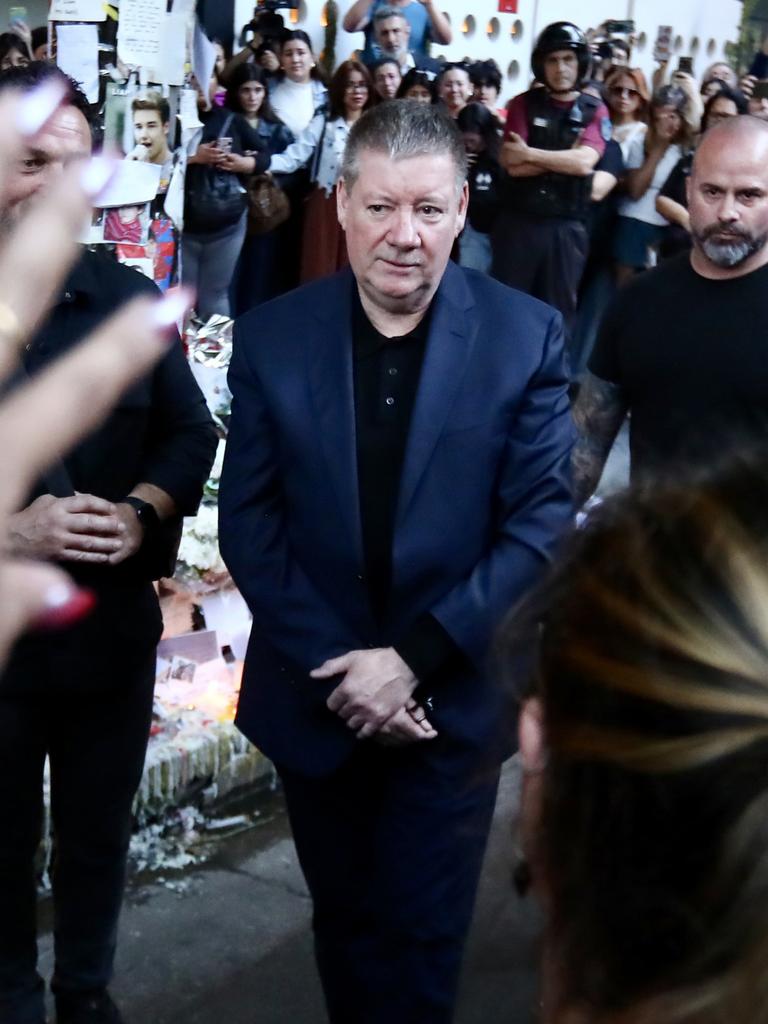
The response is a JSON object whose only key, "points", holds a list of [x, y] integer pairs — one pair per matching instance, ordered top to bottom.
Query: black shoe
{"points": [[87, 1008]]}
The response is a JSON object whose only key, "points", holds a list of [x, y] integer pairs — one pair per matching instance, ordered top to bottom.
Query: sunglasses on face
{"points": [[621, 90]]}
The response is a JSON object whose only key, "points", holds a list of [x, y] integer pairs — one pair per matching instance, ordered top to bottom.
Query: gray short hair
{"points": [[386, 12], [402, 129]]}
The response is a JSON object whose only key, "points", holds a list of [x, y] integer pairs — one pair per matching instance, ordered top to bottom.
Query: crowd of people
{"points": [[618, 209], [401, 470]]}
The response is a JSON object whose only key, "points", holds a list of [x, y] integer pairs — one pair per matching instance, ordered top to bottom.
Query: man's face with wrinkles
{"points": [[65, 138]]}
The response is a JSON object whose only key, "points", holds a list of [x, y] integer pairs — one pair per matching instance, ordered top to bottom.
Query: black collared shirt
{"points": [[386, 380]]}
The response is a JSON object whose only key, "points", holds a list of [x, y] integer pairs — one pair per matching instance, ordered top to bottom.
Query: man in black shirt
{"points": [[683, 347], [394, 482], [109, 513]]}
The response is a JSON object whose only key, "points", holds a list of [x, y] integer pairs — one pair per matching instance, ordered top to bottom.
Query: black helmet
{"points": [[561, 35]]}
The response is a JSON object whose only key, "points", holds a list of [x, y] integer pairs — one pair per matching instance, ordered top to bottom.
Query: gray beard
{"points": [[731, 254]]}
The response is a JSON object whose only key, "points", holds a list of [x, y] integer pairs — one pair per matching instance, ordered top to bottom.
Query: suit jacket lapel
{"points": [[449, 345], [332, 384]]}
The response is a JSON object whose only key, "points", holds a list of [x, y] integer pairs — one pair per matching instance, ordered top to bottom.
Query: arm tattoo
{"points": [[598, 413]]}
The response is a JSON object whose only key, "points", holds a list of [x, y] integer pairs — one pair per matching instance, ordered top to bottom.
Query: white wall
{"points": [[702, 28]]}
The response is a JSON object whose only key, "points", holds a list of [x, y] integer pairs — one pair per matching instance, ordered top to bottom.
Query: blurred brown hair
{"points": [[653, 676]]}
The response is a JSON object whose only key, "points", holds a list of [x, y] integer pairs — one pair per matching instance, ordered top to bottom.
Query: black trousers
{"points": [[544, 257], [96, 743], [391, 846]]}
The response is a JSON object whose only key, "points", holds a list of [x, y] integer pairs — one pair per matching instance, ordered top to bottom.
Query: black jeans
{"points": [[96, 743], [391, 846]]}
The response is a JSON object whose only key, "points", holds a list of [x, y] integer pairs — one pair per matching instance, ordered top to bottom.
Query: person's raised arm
{"points": [[358, 16], [442, 33], [234, 62], [639, 179]]}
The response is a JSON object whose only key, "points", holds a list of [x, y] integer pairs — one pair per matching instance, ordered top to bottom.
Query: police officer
{"points": [[555, 136]]}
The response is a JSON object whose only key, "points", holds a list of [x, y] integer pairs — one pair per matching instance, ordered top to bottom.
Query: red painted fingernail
{"points": [[64, 606]]}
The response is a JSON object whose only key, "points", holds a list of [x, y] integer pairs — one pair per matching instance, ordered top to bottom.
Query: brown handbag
{"points": [[268, 205]]}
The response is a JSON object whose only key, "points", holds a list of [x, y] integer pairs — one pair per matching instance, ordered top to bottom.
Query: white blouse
{"points": [[295, 103], [625, 135]]}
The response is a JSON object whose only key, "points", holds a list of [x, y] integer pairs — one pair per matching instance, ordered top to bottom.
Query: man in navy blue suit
{"points": [[396, 478]]}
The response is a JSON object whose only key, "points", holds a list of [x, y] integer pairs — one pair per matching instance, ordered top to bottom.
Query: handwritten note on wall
{"points": [[77, 10], [140, 31], [77, 54]]}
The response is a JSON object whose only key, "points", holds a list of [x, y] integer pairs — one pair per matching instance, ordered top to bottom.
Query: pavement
{"points": [[233, 946]]}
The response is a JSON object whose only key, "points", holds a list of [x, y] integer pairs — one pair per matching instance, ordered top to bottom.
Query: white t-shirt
{"points": [[294, 104], [625, 135], [644, 208]]}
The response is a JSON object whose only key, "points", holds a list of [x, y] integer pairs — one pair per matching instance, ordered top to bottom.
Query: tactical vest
{"points": [[554, 128]]}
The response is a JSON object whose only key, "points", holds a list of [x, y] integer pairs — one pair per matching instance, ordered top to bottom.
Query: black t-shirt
{"points": [[484, 198], [602, 217], [691, 357]]}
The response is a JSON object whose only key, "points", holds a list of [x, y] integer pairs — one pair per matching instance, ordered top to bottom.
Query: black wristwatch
{"points": [[145, 513]]}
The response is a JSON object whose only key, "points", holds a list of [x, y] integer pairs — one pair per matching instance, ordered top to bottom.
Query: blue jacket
{"points": [[484, 496]]}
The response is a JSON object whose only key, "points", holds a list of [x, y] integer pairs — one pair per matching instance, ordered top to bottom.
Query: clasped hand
{"points": [[514, 152], [83, 528], [375, 698]]}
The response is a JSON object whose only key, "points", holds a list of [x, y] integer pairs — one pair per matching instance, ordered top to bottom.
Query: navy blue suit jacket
{"points": [[484, 496]]}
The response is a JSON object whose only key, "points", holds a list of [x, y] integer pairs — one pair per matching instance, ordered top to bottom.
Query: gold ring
{"points": [[10, 328]]}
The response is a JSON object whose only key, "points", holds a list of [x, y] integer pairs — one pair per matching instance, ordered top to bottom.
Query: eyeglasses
{"points": [[356, 87], [620, 90]]}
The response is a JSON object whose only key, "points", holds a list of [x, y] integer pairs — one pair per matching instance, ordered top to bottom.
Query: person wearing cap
{"points": [[554, 137]]}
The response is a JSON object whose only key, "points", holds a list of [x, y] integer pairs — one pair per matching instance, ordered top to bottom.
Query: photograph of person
{"points": [[127, 224]]}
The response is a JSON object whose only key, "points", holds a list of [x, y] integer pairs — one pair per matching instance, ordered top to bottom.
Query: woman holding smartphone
{"points": [[649, 163], [216, 206]]}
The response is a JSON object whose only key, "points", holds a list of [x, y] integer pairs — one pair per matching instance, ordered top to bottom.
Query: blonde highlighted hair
{"points": [[653, 675]]}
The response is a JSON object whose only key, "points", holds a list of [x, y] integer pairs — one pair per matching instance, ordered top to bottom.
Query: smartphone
{"points": [[17, 16], [620, 28], [662, 49], [685, 65], [760, 92], [224, 143]]}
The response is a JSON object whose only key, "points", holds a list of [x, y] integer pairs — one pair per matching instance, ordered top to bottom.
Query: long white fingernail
{"points": [[37, 106], [95, 175], [172, 307]]}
